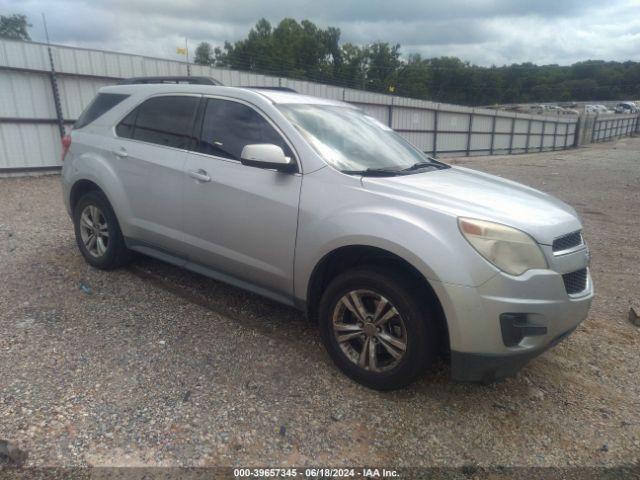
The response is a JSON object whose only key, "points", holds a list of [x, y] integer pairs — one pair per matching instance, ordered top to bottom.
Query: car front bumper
{"points": [[481, 349], [484, 368]]}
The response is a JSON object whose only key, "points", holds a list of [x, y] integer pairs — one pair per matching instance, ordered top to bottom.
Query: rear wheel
{"points": [[98, 233], [377, 328]]}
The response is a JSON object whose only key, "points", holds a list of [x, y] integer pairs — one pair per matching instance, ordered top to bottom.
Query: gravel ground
{"points": [[153, 365]]}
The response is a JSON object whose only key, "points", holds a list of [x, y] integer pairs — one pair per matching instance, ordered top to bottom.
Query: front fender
{"points": [[333, 215]]}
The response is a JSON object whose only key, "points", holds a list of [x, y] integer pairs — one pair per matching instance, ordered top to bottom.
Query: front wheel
{"points": [[377, 328]]}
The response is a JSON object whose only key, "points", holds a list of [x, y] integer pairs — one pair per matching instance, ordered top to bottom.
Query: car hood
{"points": [[464, 192]]}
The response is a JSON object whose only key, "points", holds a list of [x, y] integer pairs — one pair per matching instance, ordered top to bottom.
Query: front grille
{"points": [[567, 241], [575, 282]]}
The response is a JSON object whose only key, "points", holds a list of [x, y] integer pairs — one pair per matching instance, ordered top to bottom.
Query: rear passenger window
{"points": [[98, 107], [166, 121], [228, 126]]}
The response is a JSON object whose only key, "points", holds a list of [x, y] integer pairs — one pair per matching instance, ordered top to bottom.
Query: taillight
{"points": [[66, 143]]}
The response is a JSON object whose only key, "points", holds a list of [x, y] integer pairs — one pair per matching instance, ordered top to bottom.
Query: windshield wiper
{"points": [[420, 165], [374, 172]]}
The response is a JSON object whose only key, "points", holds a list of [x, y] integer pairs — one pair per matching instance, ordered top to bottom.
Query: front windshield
{"points": [[351, 141]]}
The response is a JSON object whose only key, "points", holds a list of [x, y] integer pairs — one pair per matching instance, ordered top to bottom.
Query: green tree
{"points": [[14, 27], [304, 50], [204, 54], [384, 62], [352, 69], [413, 78]]}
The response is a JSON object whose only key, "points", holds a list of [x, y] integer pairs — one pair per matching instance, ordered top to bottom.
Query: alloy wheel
{"points": [[94, 231], [369, 330]]}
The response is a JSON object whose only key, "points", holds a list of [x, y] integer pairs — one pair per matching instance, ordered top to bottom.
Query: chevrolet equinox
{"points": [[313, 203]]}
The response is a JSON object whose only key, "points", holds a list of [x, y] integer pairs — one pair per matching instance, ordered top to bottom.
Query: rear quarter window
{"points": [[98, 107], [166, 120]]}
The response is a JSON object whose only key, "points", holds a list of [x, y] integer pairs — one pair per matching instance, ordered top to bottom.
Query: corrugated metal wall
{"points": [[609, 126], [29, 129]]}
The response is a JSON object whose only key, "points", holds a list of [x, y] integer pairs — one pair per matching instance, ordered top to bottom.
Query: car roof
{"points": [[275, 96]]}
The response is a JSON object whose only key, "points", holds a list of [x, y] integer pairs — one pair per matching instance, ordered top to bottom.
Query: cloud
{"points": [[483, 31]]}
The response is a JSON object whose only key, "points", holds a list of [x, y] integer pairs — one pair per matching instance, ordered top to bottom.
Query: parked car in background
{"points": [[626, 107], [597, 109], [552, 110], [565, 111], [313, 203]]}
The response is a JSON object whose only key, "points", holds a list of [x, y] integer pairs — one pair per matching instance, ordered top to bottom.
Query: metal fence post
{"points": [[390, 114], [610, 124], [544, 127], [620, 127], [593, 129], [435, 131], [470, 131], [576, 132], [493, 133], [555, 133], [513, 134], [526, 148]]}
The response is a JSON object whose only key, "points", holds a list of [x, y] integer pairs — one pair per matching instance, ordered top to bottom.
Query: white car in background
{"points": [[626, 107], [597, 109]]}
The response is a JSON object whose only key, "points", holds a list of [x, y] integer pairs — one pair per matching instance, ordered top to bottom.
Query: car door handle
{"points": [[121, 152], [200, 175]]}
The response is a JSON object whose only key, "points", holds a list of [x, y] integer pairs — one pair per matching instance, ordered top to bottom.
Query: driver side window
{"points": [[228, 126]]}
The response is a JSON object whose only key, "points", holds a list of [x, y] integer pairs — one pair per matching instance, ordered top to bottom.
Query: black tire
{"points": [[116, 254], [408, 298]]}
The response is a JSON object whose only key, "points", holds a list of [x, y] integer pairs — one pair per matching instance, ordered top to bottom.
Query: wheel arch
{"points": [[92, 171], [80, 188], [346, 257]]}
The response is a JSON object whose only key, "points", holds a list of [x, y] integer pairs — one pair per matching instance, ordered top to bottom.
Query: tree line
{"points": [[302, 50]]}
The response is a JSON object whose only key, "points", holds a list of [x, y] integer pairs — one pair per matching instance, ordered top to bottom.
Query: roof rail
{"points": [[176, 79], [278, 89]]}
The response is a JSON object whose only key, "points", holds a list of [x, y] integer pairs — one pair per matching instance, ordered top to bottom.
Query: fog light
{"points": [[515, 327]]}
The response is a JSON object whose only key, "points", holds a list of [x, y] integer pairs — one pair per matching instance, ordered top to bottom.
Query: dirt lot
{"points": [[153, 365]]}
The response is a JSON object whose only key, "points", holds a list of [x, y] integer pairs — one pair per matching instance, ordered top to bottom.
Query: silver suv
{"points": [[398, 257]]}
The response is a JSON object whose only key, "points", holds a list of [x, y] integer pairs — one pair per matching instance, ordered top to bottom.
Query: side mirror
{"points": [[266, 155]]}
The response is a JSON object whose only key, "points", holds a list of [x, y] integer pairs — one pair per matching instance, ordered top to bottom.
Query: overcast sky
{"points": [[484, 32]]}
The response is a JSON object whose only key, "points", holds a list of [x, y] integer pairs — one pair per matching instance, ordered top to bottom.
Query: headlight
{"points": [[509, 249]]}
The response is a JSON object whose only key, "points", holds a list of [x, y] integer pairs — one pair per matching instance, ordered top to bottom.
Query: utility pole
{"points": [[186, 47], [54, 82]]}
